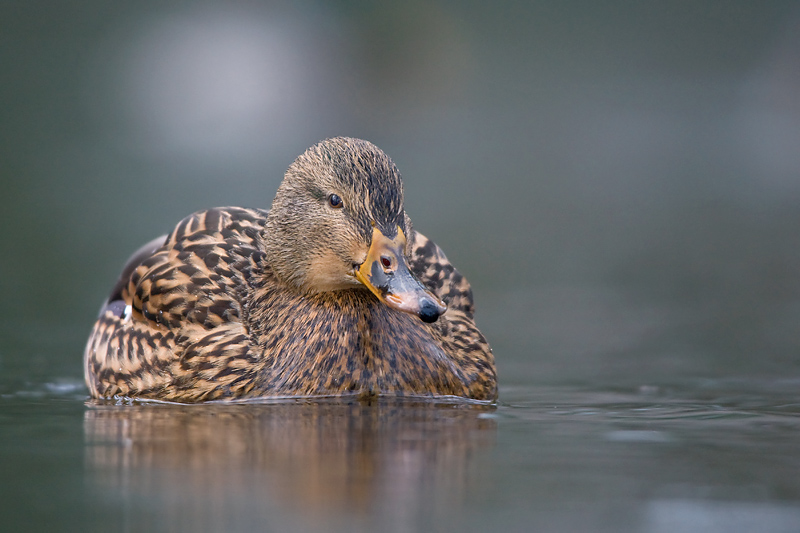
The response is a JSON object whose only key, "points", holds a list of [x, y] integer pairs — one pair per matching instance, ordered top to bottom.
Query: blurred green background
{"points": [[620, 181]]}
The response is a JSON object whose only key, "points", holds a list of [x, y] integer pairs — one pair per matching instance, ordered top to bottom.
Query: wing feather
{"points": [[433, 268], [180, 306]]}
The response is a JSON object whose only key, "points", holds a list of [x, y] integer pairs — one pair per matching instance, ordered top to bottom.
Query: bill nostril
{"points": [[386, 261]]}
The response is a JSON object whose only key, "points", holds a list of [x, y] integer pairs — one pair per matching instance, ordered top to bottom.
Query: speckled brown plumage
{"points": [[246, 303]]}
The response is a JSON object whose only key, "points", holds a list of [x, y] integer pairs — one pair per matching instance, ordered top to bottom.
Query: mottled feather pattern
{"points": [[432, 267], [186, 308], [208, 321], [354, 344]]}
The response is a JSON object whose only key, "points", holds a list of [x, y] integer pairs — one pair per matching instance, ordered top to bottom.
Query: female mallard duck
{"points": [[329, 293]]}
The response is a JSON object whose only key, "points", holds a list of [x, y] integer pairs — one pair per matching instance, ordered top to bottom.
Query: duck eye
{"points": [[335, 201]]}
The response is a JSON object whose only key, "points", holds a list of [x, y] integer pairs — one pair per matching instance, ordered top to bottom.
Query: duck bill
{"points": [[385, 272]]}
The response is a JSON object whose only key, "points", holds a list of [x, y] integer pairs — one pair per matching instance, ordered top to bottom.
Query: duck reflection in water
{"points": [[229, 466]]}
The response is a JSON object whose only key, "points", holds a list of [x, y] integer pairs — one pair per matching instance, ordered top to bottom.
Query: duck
{"points": [[329, 293]]}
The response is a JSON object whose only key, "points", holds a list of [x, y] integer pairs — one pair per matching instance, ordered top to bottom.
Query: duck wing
{"points": [[433, 268], [174, 324], [455, 330]]}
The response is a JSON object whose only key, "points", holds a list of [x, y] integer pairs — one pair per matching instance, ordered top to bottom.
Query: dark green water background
{"points": [[620, 181]]}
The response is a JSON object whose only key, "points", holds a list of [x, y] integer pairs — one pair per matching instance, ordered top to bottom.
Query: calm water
{"points": [[619, 180], [706, 456]]}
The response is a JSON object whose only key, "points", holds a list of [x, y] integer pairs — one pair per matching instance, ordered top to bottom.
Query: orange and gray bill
{"points": [[385, 272]]}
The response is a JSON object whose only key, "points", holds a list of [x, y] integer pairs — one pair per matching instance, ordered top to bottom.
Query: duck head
{"points": [[338, 223]]}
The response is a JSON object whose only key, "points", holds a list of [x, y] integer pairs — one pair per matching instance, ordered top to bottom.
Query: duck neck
{"points": [[283, 258]]}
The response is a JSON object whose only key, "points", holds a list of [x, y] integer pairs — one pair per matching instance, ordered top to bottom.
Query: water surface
{"points": [[704, 456]]}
